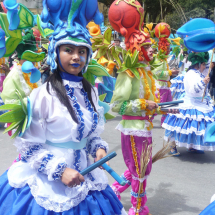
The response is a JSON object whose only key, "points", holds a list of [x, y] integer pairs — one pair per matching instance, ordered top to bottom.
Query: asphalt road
{"points": [[177, 185]]}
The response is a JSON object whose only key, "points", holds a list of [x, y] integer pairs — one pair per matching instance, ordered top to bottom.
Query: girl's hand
{"points": [[206, 80], [151, 105], [100, 154], [71, 177]]}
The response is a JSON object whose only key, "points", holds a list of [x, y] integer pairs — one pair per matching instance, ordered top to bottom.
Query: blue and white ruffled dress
{"points": [[177, 87], [188, 127], [52, 143]]}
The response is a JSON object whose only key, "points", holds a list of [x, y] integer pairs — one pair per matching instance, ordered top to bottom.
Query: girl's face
{"points": [[73, 58], [202, 67]]}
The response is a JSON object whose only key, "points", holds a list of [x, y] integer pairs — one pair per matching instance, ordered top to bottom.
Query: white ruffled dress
{"points": [[188, 127], [42, 163]]}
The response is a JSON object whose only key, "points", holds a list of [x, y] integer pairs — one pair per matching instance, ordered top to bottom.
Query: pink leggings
{"points": [[165, 95], [131, 174]]}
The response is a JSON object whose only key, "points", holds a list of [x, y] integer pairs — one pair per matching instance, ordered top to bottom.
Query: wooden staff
{"points": [[208, 74]]}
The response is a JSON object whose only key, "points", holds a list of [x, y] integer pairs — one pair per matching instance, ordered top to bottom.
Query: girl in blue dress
{"points": [[187, 128], [65, 130]]}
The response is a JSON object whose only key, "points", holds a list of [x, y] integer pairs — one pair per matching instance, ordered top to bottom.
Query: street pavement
{"points": [[177, 185]]}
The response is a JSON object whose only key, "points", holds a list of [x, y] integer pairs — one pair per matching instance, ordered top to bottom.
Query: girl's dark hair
{"points": [[193, 66], [57, 85]]}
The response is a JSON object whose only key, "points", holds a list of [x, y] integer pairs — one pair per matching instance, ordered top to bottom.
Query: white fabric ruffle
{"points": [[134, 132]]}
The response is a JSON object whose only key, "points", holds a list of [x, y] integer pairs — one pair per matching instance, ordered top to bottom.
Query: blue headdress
{"points": [[70, 18], [199, 34]]}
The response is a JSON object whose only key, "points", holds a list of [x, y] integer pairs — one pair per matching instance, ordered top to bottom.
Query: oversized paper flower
{"points": [[12, 13], [149, 26], [177, 41], [102, 44], [131, 64], [28, 67], [95, 69], [20, 116]]}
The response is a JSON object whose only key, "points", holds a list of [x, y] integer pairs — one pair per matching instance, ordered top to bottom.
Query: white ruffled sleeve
{"points": [[194, 84], [94, 141], [31, 145]]}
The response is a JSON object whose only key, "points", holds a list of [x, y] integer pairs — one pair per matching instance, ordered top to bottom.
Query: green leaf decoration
{"points": [[26, 18], [39, 25], [5, 26], [48, 32], [107, 36], [14, 37], [11, 45], [46, 46], [101, 52], [32, 56], [116, 56], [181, 57], [135, 58], [128, 62], [140, 65], [123, 68], [97, 70], [135, 72], [90, 77], [102, 97], [9, 107], [24, 108], [12, 116], [109, 116], [25, 124], [14, 125], [17, 131]]}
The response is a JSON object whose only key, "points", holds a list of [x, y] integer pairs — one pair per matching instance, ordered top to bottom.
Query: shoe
{"points": [[195, 151], [175, 152]]}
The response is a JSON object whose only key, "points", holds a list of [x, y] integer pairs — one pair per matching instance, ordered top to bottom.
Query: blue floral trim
{"points": [[203, 83], [199, 86], [196, 89], [90, 108], [77, 109], [89, 144], [98, 146], [30, 152], [77, 154], [44, 162], [59, 171], [125, 179], [135, 195]]}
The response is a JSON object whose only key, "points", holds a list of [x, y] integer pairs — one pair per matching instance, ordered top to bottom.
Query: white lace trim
{"points": [[176, 81], [73, 84], [173, 89], [27, 90], [141, 90], [113, 105], [135, 105], [197, 118], [183, 131], [134, 132], [190, 145], [141, 180], [115, 190], [60, 206]]}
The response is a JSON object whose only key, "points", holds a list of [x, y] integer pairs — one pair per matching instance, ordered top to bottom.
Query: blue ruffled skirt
{"points": [[177, 87], [187, 129], [19, 201], [209, 210]]}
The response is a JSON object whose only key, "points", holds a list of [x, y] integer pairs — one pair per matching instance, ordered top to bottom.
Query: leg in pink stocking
{"points": [[132, 147], [117, 188]]}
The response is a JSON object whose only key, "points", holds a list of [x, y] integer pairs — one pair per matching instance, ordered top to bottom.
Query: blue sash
{"points": [[69, 144]]}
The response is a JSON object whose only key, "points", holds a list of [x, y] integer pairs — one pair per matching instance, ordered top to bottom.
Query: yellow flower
{"points": [[149, 26], [161, 28], [94, 29], [146, 30], [152, 40], [177, 40], [102, 61]]}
